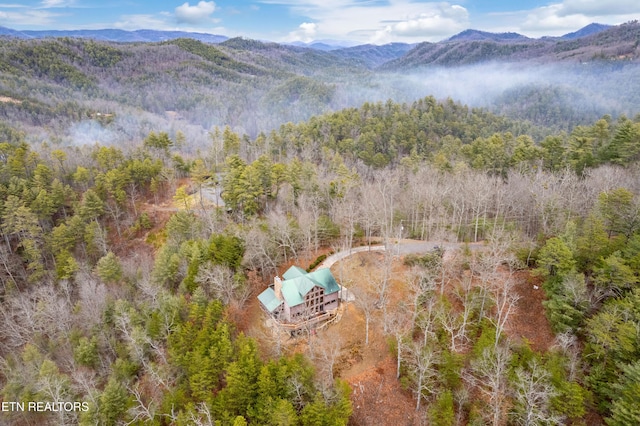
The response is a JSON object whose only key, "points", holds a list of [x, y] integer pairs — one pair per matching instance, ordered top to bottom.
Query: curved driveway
{"points": [[402, 247], [329, 261]]}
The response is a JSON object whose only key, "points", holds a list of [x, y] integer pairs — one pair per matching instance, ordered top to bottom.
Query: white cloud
{"points": [[53, 3], [48, 4], [310, 5], [599, 8], [195, 14], [571, 15], [29, 17], [442, 20], [378, 21], [383, 21], [549, 21], [136, 22], [434, 23], [308, 26], [306, 32]]}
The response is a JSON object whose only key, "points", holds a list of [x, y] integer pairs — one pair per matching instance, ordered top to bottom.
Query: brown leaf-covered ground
{"points": [[529, 320], [377, 395]]}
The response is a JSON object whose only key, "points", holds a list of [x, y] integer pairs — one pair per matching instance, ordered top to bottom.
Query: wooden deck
{"points": [[325, 318]]}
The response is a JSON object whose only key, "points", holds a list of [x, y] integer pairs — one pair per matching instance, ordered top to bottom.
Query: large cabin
{"points": [[300, 295]]}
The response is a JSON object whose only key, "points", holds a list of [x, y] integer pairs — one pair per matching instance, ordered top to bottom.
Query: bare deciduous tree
{"points": [[345, 211], [308, 215], [284, 234], [260, 252], [9, 263], [383, 278], [220, 282], [421, 283], [92, 300], [366, 300], [505, 300], [469, 303], [41, 311], [451, 322], [398, 323], [568, 344], [141, 347], [325, 353], [421, 361], [489, 375], [55, 387], [533, 394], [142, 410], [202, 416]]}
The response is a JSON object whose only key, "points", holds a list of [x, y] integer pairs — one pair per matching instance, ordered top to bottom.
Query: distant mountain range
{"points": [[586, 31], [116, 35], [475, 35], [123, 36], [593, 42], [326, 45], [469, 46], [372, 56], [165, 79]]}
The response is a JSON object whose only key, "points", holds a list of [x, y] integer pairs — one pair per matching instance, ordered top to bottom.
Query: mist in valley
{"points": [[167, 88], [586, 91], [553, 96]]}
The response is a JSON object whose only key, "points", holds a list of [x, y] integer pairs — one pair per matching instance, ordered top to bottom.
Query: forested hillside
{"points": [[618, 43], [60, 82], [81, 91], [149, 192], [109, 299]]}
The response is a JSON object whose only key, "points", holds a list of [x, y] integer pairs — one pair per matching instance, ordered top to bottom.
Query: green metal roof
{"points": [[294, 272], [324, 278], [296, 285], [295, 289], [269, 300]]}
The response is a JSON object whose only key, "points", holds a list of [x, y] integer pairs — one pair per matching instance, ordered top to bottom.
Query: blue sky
{"points": [[361, 21]]}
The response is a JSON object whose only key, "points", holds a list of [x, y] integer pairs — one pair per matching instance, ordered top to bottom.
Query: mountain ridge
{"points": [[590, 29], [115, 35], [148, 35], [471, 35], [598, 43], [371, 55], [51, 85]]}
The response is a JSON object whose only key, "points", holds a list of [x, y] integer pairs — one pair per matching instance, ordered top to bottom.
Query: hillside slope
{"points": [[615, 43], [231, 83], [83, 91]]}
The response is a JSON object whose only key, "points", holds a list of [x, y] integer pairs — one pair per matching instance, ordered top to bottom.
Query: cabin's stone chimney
{"points": [[277, 287]]}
